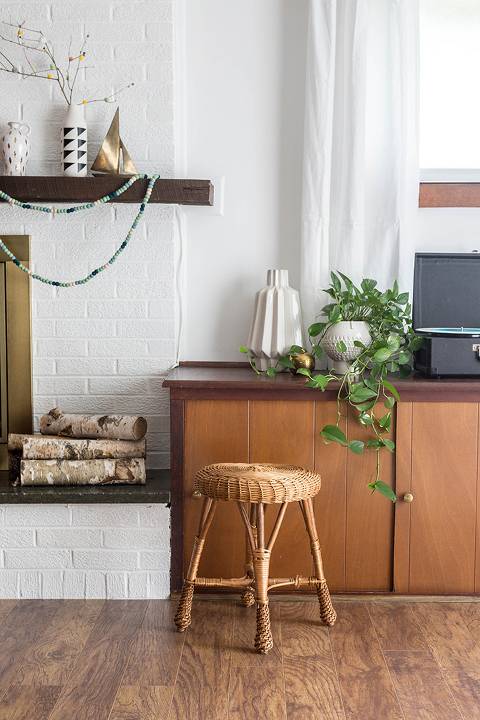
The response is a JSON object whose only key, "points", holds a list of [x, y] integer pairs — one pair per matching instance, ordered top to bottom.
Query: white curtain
{"points": [[360, 185]]}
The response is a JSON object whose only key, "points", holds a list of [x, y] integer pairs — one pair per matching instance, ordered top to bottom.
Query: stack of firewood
{"points": [[80, 450]]}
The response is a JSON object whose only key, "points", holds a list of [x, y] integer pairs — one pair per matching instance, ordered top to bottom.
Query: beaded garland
{"points": [[59, 211]]}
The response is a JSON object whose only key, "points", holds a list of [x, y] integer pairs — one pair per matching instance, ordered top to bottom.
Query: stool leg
{"points": [[261, 564], [248, 595], [327, 613], [183, 615]]}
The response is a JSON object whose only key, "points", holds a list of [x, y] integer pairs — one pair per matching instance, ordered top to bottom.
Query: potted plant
{"points": [[363, 381]]}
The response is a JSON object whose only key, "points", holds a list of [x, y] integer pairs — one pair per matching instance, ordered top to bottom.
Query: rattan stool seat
{"points": [[257, 483], [253, 487]]}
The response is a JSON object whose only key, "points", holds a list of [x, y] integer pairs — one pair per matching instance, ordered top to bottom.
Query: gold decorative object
{"points": [[108, 159], [302, 360]]}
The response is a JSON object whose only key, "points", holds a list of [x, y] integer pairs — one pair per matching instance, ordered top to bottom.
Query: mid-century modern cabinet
{"points": [[425, 546]]}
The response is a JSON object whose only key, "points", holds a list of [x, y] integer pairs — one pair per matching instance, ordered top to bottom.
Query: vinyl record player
{"points": [[446, 313]]}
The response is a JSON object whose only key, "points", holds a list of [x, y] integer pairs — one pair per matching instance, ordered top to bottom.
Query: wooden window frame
{"points": [[449, 194]]}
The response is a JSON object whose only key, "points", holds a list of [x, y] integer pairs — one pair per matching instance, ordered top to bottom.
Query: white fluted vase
{"points": [[73, 142], [277, 321]]}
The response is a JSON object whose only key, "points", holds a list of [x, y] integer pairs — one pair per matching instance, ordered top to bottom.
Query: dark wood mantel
{"points": [[88, 189]]}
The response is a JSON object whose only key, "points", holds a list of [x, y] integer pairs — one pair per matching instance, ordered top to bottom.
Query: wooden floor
{"points": [[122, 660]]}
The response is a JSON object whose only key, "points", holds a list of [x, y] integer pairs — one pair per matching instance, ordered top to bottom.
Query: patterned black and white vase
{"points": [[73, 146]]}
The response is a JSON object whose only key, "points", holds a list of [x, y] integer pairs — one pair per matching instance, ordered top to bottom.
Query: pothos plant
{"points": [[366, 385]]}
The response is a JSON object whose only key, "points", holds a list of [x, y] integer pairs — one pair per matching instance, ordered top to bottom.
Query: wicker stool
{"points": [[256, 485]]}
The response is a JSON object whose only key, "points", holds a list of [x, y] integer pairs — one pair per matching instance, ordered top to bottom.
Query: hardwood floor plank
{"points": [[125, 605], [6, 607], [470, 614], [396, 627], [245, 628], [19, 632], [452, 643], [157, 649], [52, 658], [311, 683], [365, 683], [465, 686], [421, 687], [201, 690], [90, 691], [257, 693], [28, 703], [142, 703]]}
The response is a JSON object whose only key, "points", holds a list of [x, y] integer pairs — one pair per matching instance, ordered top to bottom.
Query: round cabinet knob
{"points": [[196, 494], [408, 497]]}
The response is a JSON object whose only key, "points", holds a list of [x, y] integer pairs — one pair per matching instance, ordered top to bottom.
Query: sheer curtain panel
{"points": [[360, 184]]}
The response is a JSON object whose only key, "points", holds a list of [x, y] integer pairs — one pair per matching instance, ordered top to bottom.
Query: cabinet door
{"points": [[215, 431], [282, 432], [437, 464], [355, 527]]}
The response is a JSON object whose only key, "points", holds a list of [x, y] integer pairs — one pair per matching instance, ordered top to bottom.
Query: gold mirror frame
{"points": [[15, 343]]}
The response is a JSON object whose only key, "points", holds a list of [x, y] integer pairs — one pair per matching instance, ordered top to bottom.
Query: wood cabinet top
{"points": [[223, 380]]}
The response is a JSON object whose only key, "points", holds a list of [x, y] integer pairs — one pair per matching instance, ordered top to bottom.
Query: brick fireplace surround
{"points": [[105, 346]]}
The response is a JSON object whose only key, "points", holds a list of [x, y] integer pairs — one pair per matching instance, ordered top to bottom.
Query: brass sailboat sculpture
{"points": [[108, 160]]}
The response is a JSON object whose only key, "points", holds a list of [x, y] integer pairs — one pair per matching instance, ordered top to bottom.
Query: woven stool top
{"points": [[257, 483]]}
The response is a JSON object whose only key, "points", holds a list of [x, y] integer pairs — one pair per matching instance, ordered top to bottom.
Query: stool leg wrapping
{"points": [[261, 565], [248, 594], [327, 613], [183, 616]]}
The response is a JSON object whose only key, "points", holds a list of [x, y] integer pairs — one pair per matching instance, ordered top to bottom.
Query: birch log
{"points": [[115, 427], [48, 447], [83, 472]]}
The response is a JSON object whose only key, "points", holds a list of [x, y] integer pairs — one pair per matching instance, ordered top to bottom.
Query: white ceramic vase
{"points": [[73, 139], [15, 149], [277, 321], [347, 331]]}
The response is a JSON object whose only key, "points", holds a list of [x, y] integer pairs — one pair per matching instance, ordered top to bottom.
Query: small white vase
{"points": [[73, 142], [15, 149], [277, 321], [347, 331]]}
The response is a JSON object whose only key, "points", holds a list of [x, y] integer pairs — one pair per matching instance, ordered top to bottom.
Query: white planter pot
{"points": [[73, 142], [15, 149], [277, 321], [346, 331]]}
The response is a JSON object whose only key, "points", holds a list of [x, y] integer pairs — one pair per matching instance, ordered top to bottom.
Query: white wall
{"points": [[244, 86], [104, 346]]}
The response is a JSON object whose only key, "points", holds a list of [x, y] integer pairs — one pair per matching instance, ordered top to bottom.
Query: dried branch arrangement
{"points": [[34, 46]]}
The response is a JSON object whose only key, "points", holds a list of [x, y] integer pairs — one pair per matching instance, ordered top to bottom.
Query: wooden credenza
{"points": [[428, 546]]}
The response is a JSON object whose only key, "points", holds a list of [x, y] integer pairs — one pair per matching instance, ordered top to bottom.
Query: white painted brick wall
{"points": [[107, 345], [84, 551]]}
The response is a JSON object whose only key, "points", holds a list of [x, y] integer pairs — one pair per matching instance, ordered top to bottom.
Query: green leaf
{"points": [[336, 282], [347, 282], [368, 284], [395, 288], [402, 299], [335, 315], [316, 329], [393, 343], [416, 343], [359, 344], [341, 347], [243, 349], [296, 349], [318, 351], [382, 354], [403, 358], [285, 362], [393, 367], [404, 370], [271, 372], [316, 381], [372, 384], [388, 385], [361, 395], [389, 403], [363, 407], [365, 419], [386, 421], [332, 433], [375, 444], [389, 444], [356, 446], [385, 490]]}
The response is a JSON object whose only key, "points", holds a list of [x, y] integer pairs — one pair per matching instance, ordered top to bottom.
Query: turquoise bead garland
{"points": [[106, 198]]}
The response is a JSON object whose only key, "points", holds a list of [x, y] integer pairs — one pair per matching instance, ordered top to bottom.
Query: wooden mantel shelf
{"points": [[88, 189]]}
